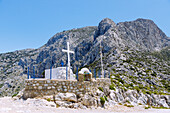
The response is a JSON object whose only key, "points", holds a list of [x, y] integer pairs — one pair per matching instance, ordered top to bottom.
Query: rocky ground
{"points": [[10, 105]]}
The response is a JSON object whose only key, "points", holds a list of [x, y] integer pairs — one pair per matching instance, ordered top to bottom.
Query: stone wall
{"points": [[41, 87]]}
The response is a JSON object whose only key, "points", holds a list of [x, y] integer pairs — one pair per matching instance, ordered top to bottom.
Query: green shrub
{"points": [[43, 73], [154, 74], [120, 80], [114, 81], [163, 81], [131, 84], [1, 85], [127, 85], [140, 86], [111, 87], [100, 88], [137, 88], [148, 88], [125, 89], [144, 91], [149, 92], [156, 92], [14, 95], [105, 98], [48, 99], [102, 101], [128, 101], [120, 103], [125, 104], [139, 104], [130, 106], [147, 107], [160, 107]]}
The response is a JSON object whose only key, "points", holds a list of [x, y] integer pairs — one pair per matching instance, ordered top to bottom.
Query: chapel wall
{"points": [[41, 87]]}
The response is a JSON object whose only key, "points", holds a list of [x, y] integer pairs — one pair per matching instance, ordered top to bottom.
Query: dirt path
{"points": [[8, 105]]}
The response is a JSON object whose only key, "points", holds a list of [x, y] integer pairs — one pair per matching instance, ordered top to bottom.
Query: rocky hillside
{"points": [[135, 52]]}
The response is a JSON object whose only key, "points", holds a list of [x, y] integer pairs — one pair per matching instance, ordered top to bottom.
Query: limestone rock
{"points": [[106, 91], [99, 93], [71, 97], [88, 100], [162, 102]]}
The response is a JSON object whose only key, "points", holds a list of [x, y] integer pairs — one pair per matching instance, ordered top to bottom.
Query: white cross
{"points": [[68, 53], [101, 56]]}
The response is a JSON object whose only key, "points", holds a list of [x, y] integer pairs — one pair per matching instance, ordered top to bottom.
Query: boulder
{"points": [[106, 91], [99, 93], [20, 94], [113, 96], [71, 97], [88, 100], [163, 103]]}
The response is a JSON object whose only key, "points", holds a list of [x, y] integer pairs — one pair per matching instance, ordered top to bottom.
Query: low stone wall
{"points": [[41, 87]]}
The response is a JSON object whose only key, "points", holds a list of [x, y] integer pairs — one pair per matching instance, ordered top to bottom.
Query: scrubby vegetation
{"points": [[100, 88], [102, 100]]}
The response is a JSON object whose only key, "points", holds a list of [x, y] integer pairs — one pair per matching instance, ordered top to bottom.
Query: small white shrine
{"points": [[59, 73]]}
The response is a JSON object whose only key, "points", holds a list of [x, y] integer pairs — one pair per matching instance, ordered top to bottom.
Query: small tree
{"points": [[43, 73], [102, 101]]}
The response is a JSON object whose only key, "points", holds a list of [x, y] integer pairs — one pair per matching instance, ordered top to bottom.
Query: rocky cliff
{"points": [[135, 52]]}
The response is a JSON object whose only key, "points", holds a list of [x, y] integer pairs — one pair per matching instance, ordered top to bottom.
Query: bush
{"points": [[43, 74], [154, 74], [120, 80], [114, 81], [163, 81], [131, 84], [1, 85], [127, 85], [140, 86], [111, 87], [137, 88], [101, 89], [125, 89], [144, 91], [149, 92], [156, 92], [14, 95], [105, 98], [49, 99], [102, 101], [128, 101], [120, 103], [139, 104], [130, 106], [147, 107], [160, 107]]}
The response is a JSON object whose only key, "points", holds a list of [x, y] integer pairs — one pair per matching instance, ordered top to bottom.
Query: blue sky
{"points": [[30, 23]]}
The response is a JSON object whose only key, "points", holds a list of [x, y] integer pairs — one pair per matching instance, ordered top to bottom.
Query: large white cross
{"points": [[68, 53]]}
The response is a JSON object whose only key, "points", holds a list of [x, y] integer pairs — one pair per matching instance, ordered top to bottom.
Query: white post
{"points": [[68, 47], [68, 54]]}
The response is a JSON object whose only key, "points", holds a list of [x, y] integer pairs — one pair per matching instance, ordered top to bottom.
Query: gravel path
{"points": [[8, 105]]}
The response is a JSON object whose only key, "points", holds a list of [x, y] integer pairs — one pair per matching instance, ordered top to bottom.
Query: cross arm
{"points": [[63, 50], [67, 51], [71, 52]]}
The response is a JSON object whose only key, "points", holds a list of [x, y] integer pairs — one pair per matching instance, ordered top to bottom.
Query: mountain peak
{"points": [[107, 20], [104, 25]]}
